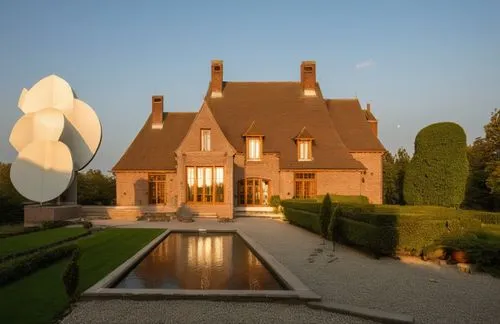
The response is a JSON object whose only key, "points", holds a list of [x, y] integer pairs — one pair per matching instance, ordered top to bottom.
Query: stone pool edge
{"points": [[298, 291]]}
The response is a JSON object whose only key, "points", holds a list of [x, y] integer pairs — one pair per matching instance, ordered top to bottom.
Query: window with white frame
{"points": [[205, 140], [254, 148], [305, 150]]}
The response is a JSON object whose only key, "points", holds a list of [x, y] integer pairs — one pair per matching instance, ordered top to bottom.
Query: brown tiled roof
{"points": [[281, 111], [350, 121], [253, 130], [304, 134], [153, 149]]}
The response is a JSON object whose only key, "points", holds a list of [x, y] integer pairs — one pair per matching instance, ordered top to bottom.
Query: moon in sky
{"points": [[399, 126]]}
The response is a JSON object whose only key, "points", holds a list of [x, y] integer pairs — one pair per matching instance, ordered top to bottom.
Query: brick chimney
{"points": [[308, 78], [217, 79], [157, 112], [372, 121]]}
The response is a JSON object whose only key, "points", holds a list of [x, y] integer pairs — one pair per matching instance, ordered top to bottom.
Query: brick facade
{"points": [[372, 185], [132, 187]]}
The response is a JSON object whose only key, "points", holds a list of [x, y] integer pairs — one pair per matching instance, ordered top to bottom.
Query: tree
{"points": [[492, 138], [401, 163], [394, 169], [437, 173], [389, 179], [483, 185], [95, 188], [11, 202], [325, 215]]}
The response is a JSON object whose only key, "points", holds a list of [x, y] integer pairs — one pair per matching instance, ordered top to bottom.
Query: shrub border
{"points": [[43, 247], [21, 267]]}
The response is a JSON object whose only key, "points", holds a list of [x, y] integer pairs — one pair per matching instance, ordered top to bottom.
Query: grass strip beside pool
{"points": [[30, 241], [40, 297]]}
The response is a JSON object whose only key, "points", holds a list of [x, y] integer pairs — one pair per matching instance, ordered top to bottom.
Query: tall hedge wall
{"points": [[437, 173]]}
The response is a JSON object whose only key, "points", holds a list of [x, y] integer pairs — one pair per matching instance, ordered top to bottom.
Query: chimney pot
{"points": [[308, 78], [217, 79], [368, 106], [157, 112]]}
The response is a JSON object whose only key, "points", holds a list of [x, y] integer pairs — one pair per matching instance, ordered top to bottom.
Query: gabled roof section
{"points": [[280, 109], [369, 116], [352, 125], [253, 131], [304, 135], [153, 149]]}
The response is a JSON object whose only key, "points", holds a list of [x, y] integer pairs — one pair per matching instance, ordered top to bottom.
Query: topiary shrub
{"points": [[437, 173], [275, 203], [325, 215], [87, 225], [71, 275]]}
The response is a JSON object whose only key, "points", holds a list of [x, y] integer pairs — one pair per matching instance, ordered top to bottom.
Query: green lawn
{"points": [[25, 242], [40, 297]]}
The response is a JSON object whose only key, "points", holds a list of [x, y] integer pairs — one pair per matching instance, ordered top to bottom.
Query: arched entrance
{"points": [[254, 192]]}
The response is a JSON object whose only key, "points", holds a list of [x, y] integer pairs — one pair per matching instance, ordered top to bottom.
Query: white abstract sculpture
{"points": [[58, 136]]}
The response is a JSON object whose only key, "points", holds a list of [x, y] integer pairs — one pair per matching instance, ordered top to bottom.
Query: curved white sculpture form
{"points": [[58, 135]]}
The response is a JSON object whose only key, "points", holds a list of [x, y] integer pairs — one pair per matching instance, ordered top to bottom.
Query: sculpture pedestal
{"points": [[34, 215]]}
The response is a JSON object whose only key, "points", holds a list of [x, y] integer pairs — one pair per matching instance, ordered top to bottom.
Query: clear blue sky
{"points": [[418, 62]]}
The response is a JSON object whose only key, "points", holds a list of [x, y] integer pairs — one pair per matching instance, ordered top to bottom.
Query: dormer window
{"points": [[253, 136], [205, 140], [304, 142], [254, 148], [305, 150]]}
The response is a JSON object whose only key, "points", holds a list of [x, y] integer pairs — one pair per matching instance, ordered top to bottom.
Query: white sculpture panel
{"points": [[58, 135]]}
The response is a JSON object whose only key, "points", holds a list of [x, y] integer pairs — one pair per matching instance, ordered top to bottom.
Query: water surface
{"points": [[201, 261]]}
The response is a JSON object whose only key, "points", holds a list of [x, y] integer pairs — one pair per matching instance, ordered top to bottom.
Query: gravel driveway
{"points": [[430, 293]]}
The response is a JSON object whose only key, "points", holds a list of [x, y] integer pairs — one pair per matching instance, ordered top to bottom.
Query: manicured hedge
{"points": [[437, 173], [346, 199], [308, 205], [485, 217], [302, 218], [384, 229], [43, 247], [23, 266]]}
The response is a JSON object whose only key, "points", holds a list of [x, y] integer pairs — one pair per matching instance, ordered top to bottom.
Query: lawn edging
{"points": [[43, 247]]}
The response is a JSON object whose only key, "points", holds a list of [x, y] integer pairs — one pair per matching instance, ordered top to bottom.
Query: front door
{"points": [[253, 192]]}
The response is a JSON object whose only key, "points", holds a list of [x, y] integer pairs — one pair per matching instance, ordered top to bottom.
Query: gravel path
{"points": [[430, 293], [124, 312]]}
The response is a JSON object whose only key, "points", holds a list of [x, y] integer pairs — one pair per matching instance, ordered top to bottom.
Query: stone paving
{"points": [[430, 293]]}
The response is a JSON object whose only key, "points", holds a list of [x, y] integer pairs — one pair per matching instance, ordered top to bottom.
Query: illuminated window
{"points": [[205, 140], [254, 148], [304, 150], [205, 184], [305, 185], [253, 191], [157, 192]]}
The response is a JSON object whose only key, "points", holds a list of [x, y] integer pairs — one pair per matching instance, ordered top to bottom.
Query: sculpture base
{"points": [[34, 215]]}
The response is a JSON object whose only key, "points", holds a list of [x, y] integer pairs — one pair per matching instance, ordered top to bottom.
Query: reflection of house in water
{"points": [[203, 261]]}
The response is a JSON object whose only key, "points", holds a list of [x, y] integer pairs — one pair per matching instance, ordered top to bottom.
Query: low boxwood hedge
{"points": [[345, 199], [308, 205], [304, 219], [382, 229], [43, 247], [20, 267]]}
